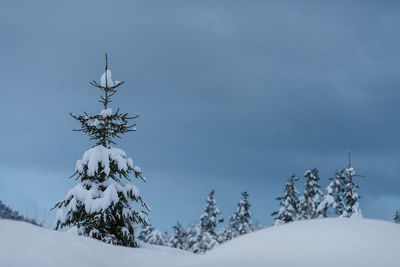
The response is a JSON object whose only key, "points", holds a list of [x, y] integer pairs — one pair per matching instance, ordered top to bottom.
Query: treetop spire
{"points": [[106, 125]]}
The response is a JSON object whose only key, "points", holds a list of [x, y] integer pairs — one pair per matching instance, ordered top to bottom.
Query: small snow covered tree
{"points": [[350, 195], [334, 196], [309, 202], [289, 203], [101, 205], [396, 217], [241, 218], [209, 219], [145, 232], [192, 234], [225, 234], [152, 236], [178, 237], [207, 239], [204, 242]]}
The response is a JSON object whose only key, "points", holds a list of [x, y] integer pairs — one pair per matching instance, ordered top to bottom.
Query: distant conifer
{"points": [[309, 202], [289, 203], [241, 219]]}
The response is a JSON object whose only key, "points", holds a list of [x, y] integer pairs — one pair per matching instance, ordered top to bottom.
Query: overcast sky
{"points": [[232, 96]]}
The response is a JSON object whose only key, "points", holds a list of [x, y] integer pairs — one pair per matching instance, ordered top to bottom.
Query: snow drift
{"points": [[322, 242], [25, 245]]}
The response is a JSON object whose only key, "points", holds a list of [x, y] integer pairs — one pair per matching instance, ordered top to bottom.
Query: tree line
{"points": [[340, 199], [205, 235]]}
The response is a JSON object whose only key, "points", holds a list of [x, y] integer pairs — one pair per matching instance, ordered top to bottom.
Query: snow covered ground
{"points": [[324, 242], [26, 245]]}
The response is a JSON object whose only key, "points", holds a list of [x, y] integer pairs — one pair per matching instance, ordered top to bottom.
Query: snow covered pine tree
{"points": [[350, 195], [334, 196], [309, 202], [289, 203], [101, 205], [396, 217], [209, 219], [241, 219], [145, 233], [192, 234], [225, 234], [152, 236], [178, 237], [207, 238]]}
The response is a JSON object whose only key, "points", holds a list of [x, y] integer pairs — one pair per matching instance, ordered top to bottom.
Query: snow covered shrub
{"points": [[9, 214]]}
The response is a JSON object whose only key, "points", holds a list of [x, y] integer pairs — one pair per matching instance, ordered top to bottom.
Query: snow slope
{"points": [[323, 242], [26, 245]]}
